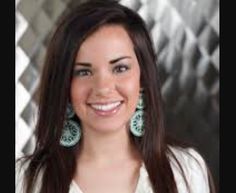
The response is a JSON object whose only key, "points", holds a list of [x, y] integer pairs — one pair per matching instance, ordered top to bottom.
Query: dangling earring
{"points": [[137, 120], [71, 132]]}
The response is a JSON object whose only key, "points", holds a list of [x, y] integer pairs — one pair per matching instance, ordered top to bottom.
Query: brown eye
{"points": [[121, 68], [82, 72]]}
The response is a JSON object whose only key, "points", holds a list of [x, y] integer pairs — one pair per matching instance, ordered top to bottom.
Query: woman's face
{"points": [[106, 80]]}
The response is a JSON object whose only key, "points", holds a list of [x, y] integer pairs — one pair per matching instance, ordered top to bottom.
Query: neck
{"points": [[106, 149]]}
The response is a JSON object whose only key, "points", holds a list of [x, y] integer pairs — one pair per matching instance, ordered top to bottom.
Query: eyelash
{"points": [[121, 68], [82, 72]]}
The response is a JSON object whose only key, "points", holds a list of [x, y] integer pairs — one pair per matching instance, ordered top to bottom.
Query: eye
{"points": [[121, 68], [82, 72]]}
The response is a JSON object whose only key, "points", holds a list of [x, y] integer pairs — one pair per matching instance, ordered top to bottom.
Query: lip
{"points": [[105, 113]]}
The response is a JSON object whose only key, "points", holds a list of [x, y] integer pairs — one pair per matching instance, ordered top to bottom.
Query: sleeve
{"points": [[20, 168], [195, 170], [19, 177], [198, 177]]}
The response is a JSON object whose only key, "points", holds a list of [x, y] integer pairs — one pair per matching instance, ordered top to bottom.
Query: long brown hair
{"points": [[58, 163]]}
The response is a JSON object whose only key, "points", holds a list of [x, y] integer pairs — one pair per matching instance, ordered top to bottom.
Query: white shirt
{"points": [[194, 169]]}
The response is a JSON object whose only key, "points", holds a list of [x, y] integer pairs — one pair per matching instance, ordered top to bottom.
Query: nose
{"points": [[104, 84]]}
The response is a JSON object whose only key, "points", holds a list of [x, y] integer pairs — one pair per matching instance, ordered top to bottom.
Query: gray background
{"points": [[186, 39]]}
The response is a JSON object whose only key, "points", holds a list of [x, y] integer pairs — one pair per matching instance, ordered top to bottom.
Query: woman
{"points": [[100, 126]]}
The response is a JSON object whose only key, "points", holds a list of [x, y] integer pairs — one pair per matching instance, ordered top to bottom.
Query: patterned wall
{"points": [[186, 39]]}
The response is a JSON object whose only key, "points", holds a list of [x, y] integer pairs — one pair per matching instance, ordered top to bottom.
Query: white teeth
{"points": [[106, 107]]}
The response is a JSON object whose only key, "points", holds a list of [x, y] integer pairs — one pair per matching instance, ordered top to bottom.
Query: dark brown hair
{"points": [[57, 162]]}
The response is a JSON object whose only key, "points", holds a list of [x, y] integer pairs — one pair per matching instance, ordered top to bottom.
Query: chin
{"points": [[111, 127]]}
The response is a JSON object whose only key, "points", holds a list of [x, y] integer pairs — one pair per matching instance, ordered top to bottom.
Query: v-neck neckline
{"points": [[142, 176]]}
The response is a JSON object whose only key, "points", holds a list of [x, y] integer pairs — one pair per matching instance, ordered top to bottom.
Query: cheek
{"points": [[133, 82], [132, 88], [78, 93]]}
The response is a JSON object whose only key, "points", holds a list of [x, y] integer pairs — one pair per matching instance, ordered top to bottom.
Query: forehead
{"points": [[107, 41]]}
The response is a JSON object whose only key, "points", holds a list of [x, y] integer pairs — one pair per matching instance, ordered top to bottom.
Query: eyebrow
{"points": [[118, 59], [86, 64]]}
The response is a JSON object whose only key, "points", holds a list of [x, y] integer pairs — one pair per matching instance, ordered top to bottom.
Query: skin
{"points": [[106, 71]]}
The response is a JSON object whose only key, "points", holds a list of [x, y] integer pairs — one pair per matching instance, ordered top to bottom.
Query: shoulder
{"points": [[188, 157], [21, 166], [193, 166]]}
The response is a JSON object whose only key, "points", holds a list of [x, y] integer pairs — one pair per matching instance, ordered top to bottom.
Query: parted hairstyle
{"points": [[58, 163]]}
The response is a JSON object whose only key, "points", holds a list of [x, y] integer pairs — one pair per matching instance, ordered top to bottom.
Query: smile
{"points": [[106, 109]]}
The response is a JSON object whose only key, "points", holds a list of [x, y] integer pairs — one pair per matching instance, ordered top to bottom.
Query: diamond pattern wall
{"points": [[186, 39]]}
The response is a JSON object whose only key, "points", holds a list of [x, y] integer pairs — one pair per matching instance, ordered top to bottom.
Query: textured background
{"points": [[186, 39]]}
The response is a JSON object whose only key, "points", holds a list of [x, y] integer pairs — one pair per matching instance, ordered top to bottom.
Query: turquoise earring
{"points": [[137, 120], [71, 132]]}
